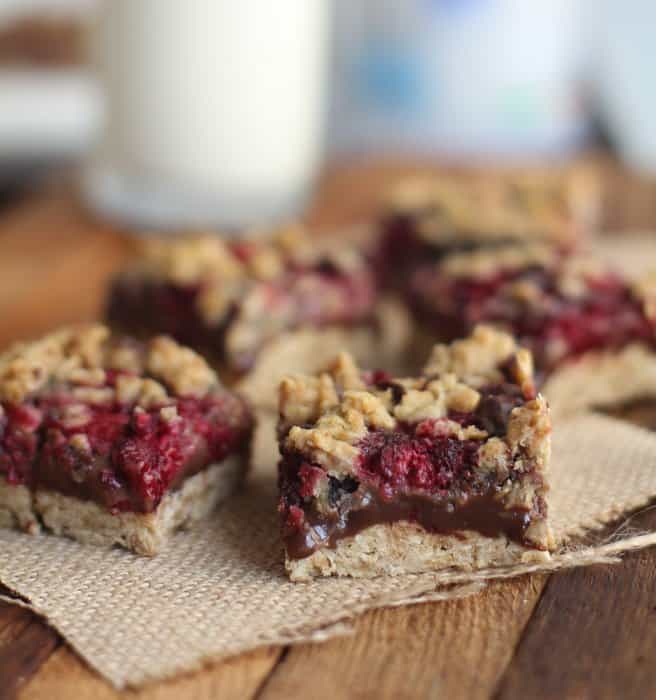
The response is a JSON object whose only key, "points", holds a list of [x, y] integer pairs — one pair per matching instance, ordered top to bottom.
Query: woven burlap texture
{"points": [[221, 589]]}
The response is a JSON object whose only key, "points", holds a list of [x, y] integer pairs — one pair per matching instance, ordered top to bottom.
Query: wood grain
{"points": [[54, 266], [13, 620], [593, 634], [25, 643], [454, 649], [64, 676]]}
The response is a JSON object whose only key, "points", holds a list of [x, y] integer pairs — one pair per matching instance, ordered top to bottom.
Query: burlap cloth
{"points": [[221, 589]]}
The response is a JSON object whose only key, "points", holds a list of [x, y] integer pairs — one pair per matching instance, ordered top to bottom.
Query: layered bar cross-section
{"points": [[258, 307], [591, 331], [110, 440], [382, 475]]}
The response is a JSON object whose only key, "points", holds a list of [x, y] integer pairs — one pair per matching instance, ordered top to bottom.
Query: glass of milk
{"points": [[214, 110]]}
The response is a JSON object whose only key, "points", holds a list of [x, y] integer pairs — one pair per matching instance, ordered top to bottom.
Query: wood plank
{"points": [[55, 265], [13, 620], [593, 634], [455, 649], [22, 655], [65, 676]]}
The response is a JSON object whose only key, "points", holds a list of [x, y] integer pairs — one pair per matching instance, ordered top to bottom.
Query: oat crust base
{"points": [[16, 510], [143, 533], [406, 548]]}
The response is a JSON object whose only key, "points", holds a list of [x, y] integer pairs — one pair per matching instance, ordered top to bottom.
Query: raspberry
{"points": [[399, 462]]}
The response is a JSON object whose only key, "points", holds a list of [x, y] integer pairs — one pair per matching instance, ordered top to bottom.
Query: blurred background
{"points": [[228, 114]]}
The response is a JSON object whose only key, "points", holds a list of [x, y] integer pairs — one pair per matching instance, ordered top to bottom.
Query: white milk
{"points": [[214, 109]]}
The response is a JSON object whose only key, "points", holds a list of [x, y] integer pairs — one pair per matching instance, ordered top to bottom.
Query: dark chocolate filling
{"points": [[478, 512]]}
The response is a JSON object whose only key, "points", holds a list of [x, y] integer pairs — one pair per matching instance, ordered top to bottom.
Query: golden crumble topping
{"points": [[552, 205], [188, 259], [488, 262], [226, 272], [574, 273], [571, 274], [645, 290], [80, 356], [475, 359], [28, 367], [184, 370], [522, 370], [346, 372], [302, 399], [75, 415], [325, 416], [528, 426], [80, 443]]}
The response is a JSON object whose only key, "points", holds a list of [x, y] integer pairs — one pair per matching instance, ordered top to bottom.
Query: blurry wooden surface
{"points": [[588, 633]]}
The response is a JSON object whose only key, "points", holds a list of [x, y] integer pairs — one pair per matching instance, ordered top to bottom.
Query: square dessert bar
{"points": [[425, 217], [289, 302], [591, 332], [113, 441], [388, 476]]}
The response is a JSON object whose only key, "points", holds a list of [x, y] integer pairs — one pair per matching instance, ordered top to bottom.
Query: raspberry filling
{"points": [[317, 296], [605, 316], [19, 441], [121, 458], [397, 462], [417, 473]]}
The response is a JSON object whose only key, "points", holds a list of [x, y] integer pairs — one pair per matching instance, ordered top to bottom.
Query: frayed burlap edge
{"points": [[453, 585], [342, 626]]}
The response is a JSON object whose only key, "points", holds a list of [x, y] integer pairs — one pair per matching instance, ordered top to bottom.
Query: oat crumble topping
{"points": [[548, 205], [188, 259], [489, 262], [227, 272], [572, 273], [512, 283], [645, 289], [80, 357], [475, 359], [184, 370], [328, 414], [80, 443]]}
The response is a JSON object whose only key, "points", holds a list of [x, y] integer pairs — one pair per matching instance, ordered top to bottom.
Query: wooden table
{"points": [[586, 633]]}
